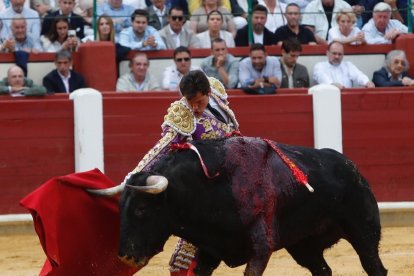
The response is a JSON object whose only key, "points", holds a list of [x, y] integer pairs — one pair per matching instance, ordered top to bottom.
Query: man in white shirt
{"points": [[18, 8], [275, 17], [319, 17], [381, 29], [174, 34], [335, 71], [172, 74]]}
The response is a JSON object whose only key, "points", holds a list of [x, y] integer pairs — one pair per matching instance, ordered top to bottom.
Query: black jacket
{"points": [[76, 23], [242, 37], [54, 83]]}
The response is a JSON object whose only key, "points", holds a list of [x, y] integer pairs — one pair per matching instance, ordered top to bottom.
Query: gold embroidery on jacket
{"points": [[180, 118], [152, 153]]}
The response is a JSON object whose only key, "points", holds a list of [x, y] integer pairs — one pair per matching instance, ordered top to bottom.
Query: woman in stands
{"points": [[198, 19], [215, 23], [105, 31], [346, 32], [60, 37], [394, 71]]}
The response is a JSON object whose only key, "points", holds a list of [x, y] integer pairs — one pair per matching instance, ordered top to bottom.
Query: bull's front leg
{"points": [[262, 248], [206, 264]]}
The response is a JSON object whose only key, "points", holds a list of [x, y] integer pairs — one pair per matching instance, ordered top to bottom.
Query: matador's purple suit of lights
{"points": [[181, 125]]}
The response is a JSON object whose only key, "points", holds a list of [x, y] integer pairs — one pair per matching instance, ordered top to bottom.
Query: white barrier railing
{"points": [[88, 124]]}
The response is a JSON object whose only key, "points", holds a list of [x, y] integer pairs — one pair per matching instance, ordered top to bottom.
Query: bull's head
{"points": [[144, 218]]}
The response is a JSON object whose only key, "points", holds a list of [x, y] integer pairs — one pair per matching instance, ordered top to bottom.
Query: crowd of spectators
{"points": [[61, 26]]}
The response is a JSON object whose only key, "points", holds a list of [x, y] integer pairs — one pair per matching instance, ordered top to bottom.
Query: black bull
{"points": [[253, 207]]}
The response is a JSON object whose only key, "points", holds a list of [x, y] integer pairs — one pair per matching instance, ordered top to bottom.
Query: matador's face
{"points": [[199, 103]]}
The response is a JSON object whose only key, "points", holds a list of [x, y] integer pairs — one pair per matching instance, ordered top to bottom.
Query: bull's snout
{"points": [[134, 263]]}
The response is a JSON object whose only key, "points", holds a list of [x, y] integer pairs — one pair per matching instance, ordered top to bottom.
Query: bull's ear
{"points": [[155, 184]]}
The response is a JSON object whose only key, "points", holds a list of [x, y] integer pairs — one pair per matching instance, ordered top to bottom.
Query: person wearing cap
{"points": [[381, 29]]}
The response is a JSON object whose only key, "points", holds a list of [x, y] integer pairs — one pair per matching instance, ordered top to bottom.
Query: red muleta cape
{"points": [[79, 232]]}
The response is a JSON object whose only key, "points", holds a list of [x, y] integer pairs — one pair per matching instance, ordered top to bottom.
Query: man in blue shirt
{"points": [[17, 8], [120, 13], [140, 36], [19, 39], [259, 70]]}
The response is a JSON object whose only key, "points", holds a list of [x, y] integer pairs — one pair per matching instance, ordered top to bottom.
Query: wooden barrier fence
{"points": [[36, 135]]}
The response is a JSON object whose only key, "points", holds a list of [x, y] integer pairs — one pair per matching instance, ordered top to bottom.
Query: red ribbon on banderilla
{"points": [[182, 146], [297, 173]]}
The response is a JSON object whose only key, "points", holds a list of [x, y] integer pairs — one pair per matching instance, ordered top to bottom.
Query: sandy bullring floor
{"points": [[21, 255]]}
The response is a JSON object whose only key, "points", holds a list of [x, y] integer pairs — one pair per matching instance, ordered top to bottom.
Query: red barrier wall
{"points": [[133, 124], [36, 135], [378, 135], [36, 143]]}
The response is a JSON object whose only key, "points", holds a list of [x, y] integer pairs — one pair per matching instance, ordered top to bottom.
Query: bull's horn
{"points": [[155, 185], [110, 191]]}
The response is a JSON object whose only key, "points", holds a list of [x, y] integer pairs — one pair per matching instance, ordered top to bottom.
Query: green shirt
{"points": [[29, 88]]}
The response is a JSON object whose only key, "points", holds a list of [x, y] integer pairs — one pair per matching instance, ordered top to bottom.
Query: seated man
{"points": [[43, 7], [17, 9], [275, 11], [119, 12], [157, 14], [76, 21], [293, 28], [381, 29], [260, 33], [174, 34], [140, 36], [20, 40], [221, 65], [260, 71], [335, 71], [394, 72], [172, 74], [294, 75], [63, 79], [138, 79], [16, 84]]}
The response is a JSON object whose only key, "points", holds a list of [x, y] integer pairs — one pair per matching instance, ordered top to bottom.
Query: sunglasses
{"points": [[177, 18], [182, 59]]}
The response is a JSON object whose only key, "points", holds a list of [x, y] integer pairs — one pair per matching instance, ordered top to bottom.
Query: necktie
{"points": [[216, 113]]}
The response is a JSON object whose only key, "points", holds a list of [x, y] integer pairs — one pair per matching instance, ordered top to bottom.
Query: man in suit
{"points": [[157, 14], [76, 21], [260, 33], [174, 34], [294, 75], [63, 79]]}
